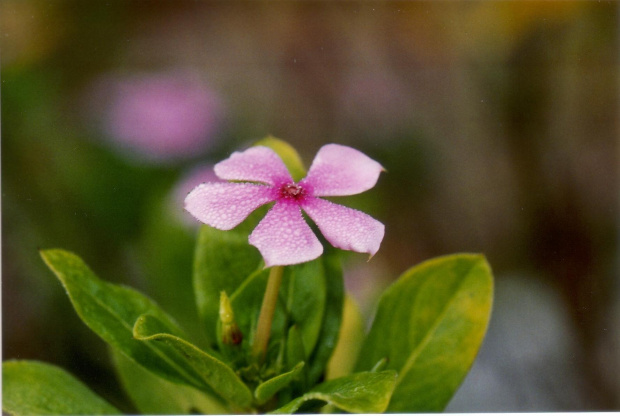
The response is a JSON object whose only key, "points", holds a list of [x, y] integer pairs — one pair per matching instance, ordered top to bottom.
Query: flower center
{"points": [[292, 191]]}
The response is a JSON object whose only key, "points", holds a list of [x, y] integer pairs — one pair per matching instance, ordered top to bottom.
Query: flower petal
{"points": [[256, 164], [340, 170], [226, 205], [345, 228], [283, 237]]}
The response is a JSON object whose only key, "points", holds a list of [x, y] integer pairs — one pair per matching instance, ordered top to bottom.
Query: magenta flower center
{"points": [[292, 191]]}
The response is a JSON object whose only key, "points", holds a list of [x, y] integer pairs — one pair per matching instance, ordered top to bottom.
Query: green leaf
{"points": [[287, 153], [223, 261], [304, 289], [246, 303], [111, 311], [332, 318], [429, 326], [294, 347], [294, 354], [344, 357], [213, 372], [270, 387], [36, 388], [357, 393], [154, 395]]}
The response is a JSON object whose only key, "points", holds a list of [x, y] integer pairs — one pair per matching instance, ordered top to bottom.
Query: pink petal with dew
{"points": [[256, 164], [340, 170], [190, 180], [226, 205], [345, 228], [283, 237]]}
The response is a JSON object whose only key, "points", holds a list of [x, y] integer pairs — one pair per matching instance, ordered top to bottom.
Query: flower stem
{"points": [[267, 310]]}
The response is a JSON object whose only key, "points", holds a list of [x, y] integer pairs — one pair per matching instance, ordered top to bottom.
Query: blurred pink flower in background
{"points": [[159, 117]]}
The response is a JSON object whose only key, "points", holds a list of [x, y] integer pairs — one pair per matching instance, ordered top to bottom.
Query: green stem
{"points": [[267, 310]]}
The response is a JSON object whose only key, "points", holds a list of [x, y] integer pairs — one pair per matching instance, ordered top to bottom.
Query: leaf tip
{"points": [[48, 256], [138, 330]]}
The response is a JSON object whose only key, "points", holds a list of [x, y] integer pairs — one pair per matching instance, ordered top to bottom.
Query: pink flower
{"points": [[159, 117], [193, 178], [283, 237]]}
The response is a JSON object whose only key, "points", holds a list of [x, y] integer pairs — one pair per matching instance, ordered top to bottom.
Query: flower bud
{"points": [[231, 334]]}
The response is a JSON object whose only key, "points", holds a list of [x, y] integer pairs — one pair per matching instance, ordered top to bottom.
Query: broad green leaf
{"points": [[287, 153], [223, 261], [304, 290], [111, 311], [332, 317], [429, 326], [294, 347], [294, 354], [344, 357], [220, 377], [36, 388], [269, 388], [357, 393], [154, 395]]}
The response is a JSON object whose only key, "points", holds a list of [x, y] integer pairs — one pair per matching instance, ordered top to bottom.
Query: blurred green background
{"points": [[497, 123]]}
